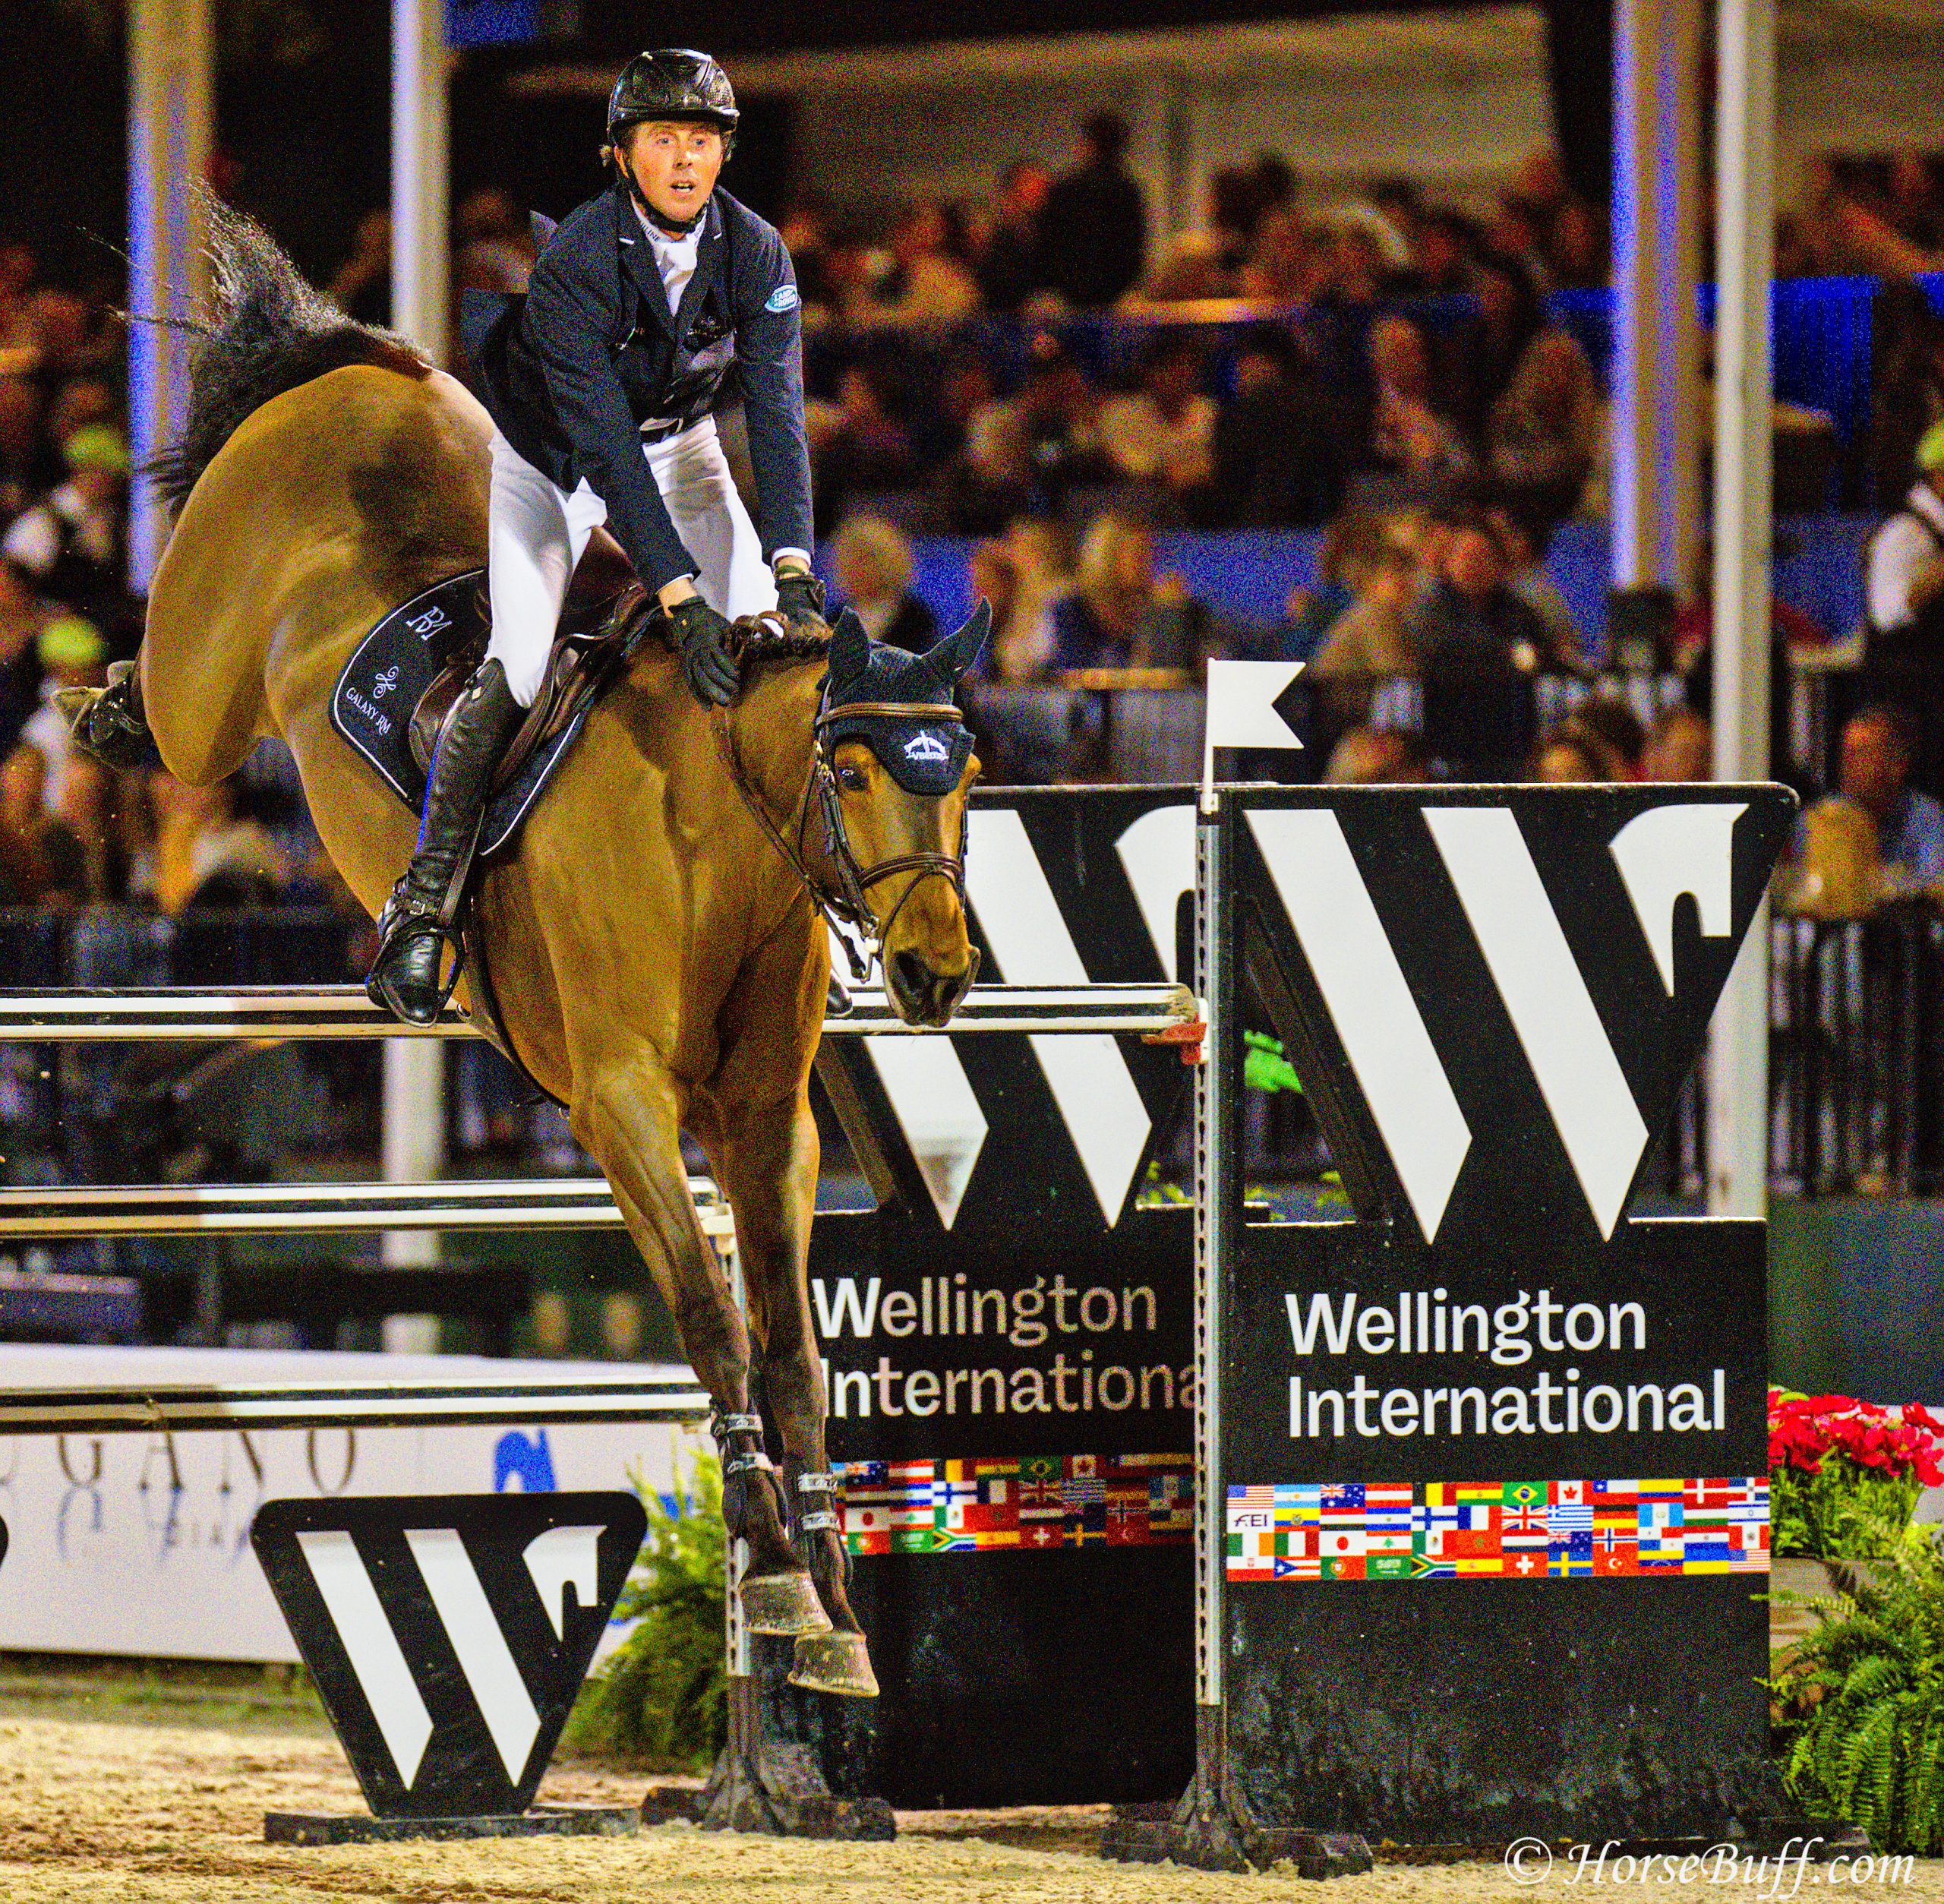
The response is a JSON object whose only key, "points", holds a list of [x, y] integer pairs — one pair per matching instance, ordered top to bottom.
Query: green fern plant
{"points": [[1812, 1513], [663, 1697], [1858, 1706]]}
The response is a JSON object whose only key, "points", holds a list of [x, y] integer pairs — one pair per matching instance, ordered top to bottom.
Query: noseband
{"points": [[848, 903]]}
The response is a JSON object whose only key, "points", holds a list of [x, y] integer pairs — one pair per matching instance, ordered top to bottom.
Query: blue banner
{"points": [[492, 23]]}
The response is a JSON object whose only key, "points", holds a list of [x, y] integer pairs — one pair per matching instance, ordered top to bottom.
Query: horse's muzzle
{"points": [[920, 995]]}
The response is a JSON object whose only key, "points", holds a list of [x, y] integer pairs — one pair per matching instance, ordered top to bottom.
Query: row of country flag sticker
{"points": [[1038, 1502], [1498, 1529]]}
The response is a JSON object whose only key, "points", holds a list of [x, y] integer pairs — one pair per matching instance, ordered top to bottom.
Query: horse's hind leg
{"points": [[628, 1120], [769, 1166]]}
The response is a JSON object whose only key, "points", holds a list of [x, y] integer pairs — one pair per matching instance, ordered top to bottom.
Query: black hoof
{"points": [[101, 725]]}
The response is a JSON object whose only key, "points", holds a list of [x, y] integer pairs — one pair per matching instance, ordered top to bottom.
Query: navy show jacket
{"points": [[571, 371]]}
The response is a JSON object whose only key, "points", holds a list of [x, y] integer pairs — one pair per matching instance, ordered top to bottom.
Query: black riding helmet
{"points": [[669, 83], [672, 83]]}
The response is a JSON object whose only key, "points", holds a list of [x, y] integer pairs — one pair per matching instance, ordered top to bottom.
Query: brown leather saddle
{"points": [[607, 613]]}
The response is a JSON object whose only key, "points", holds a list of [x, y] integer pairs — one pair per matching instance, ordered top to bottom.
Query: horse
{"points": [[658, 950]]}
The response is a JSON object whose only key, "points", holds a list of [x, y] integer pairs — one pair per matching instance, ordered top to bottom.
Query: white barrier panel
{"points": [[139, 1544]]}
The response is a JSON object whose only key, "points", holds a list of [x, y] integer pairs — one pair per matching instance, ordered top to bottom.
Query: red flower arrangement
{"points": [[1805, 1429]]}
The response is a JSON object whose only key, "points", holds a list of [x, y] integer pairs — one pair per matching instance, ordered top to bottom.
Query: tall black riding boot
{"points": [[421, 917]]}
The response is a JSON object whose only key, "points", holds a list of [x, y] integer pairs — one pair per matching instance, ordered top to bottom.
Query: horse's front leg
{"points": [[629, 1119], [769, 1165]]}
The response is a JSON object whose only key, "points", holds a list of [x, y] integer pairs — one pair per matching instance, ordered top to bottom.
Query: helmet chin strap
{"points": [[674, 227]]}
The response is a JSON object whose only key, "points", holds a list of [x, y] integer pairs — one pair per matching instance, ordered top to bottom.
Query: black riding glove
{"points": [[799, 598], [707, 644]]}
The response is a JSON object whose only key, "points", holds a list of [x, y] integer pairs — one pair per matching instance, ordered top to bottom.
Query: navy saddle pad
{"points": [[390, 670]]}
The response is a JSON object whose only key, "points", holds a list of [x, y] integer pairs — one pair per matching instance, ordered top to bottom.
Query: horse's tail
{"points": [[270, 332]]}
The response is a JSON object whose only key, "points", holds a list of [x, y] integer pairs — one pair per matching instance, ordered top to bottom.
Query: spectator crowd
{"points": [[1286, 360], [1387, 370], [1436, 645], [72, 833]]}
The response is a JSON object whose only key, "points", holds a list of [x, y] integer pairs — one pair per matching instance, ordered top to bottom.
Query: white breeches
{"points": [[536, 532]]}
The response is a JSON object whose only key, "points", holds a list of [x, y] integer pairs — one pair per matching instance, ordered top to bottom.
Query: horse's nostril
{"points": [[914, 976]]}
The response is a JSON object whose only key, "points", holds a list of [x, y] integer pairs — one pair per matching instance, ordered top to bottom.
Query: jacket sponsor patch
{"points": [[783, 298]]}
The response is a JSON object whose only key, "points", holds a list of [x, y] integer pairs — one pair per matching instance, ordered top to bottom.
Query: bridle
{"points": [[847, 904]]}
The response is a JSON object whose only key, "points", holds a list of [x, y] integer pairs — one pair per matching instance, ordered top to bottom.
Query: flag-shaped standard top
{"points": [[1242, 711]]}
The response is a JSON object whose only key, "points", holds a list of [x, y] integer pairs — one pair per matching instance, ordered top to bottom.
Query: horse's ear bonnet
{"points": [[923, 756]]}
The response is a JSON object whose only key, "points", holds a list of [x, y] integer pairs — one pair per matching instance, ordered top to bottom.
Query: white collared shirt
{"points": [[675, 258]]}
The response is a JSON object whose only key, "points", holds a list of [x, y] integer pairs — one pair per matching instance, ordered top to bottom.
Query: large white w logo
{"points": [[1661, 853], [1033, 944], [560, 1558]]}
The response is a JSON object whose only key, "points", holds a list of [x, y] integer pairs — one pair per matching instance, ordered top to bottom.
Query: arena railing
{"points": [[1856, 1073]]}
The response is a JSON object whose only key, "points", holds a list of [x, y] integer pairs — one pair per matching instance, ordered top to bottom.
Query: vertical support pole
{"points": [[170, 69], [1197, 108], [1183, 208], [1656, 229], [1744, 246], [421, 255], [1214, 984], [414, 1067], [414, 1143], [736, 1633]]}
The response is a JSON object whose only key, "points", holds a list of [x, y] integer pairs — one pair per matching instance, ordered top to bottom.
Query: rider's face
{"points": [[676, 165]]}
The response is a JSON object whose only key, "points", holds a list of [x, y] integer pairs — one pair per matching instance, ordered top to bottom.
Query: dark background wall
{"points": [[303, 108]]}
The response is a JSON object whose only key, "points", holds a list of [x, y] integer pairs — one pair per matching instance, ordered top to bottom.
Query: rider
{"points": [[643, 304]]}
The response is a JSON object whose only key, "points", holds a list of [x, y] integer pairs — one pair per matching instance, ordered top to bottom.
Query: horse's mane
{"points": [[270, 332], [764, 642]]}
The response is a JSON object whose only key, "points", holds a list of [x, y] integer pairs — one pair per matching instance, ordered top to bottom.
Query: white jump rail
{"points": [[343, 1012], [269, 1013], [34, 1213], [377, 1404]]}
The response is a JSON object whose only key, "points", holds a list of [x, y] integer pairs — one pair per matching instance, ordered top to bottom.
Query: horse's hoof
{"points": [[784, 1604], [837, 1662]]}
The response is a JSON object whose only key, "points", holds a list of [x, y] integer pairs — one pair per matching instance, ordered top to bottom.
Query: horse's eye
{"points": [[852, 779]]}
